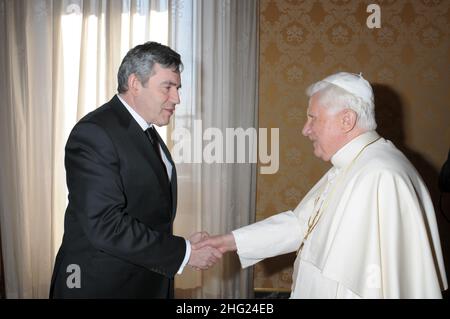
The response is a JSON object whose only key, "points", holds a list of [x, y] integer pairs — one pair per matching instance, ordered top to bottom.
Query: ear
{"points": [[134, 85], [348, 120]]}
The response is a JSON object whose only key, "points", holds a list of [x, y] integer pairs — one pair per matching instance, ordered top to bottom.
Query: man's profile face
{"points": [[158, 97], [322, 128]]}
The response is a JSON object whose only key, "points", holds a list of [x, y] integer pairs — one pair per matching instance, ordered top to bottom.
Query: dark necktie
{"points": [[151, 134]]}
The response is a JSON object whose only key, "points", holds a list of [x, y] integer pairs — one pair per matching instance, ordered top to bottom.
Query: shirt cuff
{"points": [[186, 257]]}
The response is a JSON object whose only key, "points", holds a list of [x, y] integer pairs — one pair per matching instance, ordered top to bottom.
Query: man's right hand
{"points": [[223, 243], [205, 257]]}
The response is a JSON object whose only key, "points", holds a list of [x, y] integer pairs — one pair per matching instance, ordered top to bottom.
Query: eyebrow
{"points": [[170, 83]]}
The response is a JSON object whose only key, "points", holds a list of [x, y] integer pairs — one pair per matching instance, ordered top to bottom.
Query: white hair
{"points": [[335, 99]]}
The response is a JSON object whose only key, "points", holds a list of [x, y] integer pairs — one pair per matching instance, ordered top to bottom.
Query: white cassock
{"points": [[376, 237]]}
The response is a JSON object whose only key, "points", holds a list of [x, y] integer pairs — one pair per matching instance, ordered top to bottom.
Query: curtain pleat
{"points": [[218, 41]]}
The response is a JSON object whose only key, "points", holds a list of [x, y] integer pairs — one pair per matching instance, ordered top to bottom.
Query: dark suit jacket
{"points": [[118, 223]]}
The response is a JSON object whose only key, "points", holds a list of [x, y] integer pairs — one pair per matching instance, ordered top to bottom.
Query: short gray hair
{"points": [[141, 59], [336, 99]]}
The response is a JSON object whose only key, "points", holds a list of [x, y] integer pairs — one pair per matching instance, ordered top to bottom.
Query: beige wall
{"points": [[408, 60]]}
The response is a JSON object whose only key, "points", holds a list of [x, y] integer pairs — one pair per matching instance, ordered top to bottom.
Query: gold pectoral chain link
{"points": [[314, 218]]}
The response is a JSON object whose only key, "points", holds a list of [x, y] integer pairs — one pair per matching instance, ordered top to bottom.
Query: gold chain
{"points": [[314, 218]]}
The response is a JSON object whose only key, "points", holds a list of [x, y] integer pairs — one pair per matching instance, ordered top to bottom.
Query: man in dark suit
{"points": [[118, 240]]}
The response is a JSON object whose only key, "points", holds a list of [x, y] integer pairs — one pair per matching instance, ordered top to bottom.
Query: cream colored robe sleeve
{"points": [[279, 234], [276, 235]]}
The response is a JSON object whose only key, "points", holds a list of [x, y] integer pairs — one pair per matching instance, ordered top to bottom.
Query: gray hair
{"points": [[141, 59], [335, 99]]}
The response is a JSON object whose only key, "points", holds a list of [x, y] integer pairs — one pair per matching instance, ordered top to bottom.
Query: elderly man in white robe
{"points": [[368, 228]]}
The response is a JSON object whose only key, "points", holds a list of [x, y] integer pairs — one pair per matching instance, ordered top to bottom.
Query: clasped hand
{"points": [[208, 250]]}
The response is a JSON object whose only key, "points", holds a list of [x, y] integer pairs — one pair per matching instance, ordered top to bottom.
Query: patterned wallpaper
{"points": [[407, 60]]}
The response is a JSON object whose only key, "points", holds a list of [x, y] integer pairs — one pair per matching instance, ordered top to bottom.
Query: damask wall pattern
{"points": [[407, 60]]}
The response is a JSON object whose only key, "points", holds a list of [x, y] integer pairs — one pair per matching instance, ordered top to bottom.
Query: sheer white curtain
{"points": [[218, 41], [58, 61]]}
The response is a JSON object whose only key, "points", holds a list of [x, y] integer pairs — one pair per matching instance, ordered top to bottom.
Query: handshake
{"points": [[207, 250]]}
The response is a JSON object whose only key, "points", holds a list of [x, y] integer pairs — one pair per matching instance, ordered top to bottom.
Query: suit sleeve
{"points": [[97, 199]]}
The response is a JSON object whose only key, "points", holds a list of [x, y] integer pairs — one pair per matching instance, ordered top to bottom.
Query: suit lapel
{"points": [[142, 144], [156, 165], [173, 178]]}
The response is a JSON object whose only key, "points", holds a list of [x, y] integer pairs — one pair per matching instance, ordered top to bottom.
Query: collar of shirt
{"points": [[142, 123], [347, 153]]}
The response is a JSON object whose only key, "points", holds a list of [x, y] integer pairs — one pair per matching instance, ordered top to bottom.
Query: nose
{"points": [[175, 95], [306, 129]]}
